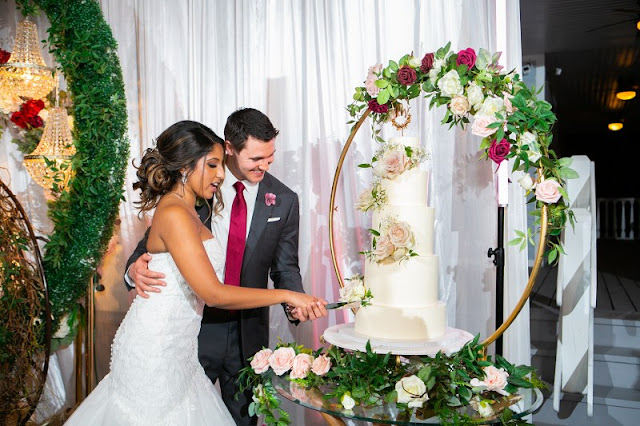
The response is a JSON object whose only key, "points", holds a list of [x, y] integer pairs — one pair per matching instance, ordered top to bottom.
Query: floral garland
{"points": [[513, 124], [85, 214], [441, 385]]}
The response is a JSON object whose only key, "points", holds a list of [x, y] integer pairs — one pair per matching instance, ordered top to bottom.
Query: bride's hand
{"points": [[306, 307]]}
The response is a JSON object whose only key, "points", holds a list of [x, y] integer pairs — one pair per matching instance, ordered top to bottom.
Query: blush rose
{"points": [[547, 191], [282, 360], [260, 361], [321, 365], [301, 366]]}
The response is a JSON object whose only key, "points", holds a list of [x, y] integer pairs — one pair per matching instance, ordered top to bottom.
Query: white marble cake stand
{"points": [[345, 336]]}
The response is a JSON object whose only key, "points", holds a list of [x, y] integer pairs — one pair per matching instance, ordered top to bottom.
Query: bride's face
{"points": [[209, 173]]}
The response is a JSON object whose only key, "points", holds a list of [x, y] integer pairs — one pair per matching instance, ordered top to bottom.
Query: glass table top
{"points": [[313, 398]]}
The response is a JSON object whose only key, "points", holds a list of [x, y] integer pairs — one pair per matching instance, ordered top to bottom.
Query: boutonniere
{"points": [[270, 199]]}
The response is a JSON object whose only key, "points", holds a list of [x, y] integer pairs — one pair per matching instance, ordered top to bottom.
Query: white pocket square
{"points": [[273, 219]]}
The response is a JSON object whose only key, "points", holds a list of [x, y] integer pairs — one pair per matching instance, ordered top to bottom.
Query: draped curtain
{"points": [[299, 61]]}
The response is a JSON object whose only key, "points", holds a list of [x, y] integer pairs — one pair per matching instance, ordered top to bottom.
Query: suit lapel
{"points": [[261, 212]]}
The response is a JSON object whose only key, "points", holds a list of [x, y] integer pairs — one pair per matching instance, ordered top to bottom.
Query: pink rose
{"points": [[466, 57], [427, 63], [406, 75], [370, 82], [480, 123], [499, 150], [394, 163], [547, 191], [270, 199], [400, 234], [383, 249], [282, 360], [260, 361], [321, 365], [301, 366], [495, 379]]}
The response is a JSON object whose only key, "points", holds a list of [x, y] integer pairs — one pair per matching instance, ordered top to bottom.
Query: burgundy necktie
{"points": [[237, 237]]}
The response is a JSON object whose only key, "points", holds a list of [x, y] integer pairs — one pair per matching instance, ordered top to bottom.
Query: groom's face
{"points": [[252, 161]]}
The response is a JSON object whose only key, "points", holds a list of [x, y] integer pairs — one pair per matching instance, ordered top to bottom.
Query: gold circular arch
{"points": [[532, 277]]}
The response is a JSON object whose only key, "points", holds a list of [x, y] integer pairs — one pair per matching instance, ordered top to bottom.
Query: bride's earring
{"points": [[184, 178]]}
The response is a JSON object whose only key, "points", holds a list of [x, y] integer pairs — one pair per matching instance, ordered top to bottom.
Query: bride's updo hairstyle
{"points": [[178, 148]]}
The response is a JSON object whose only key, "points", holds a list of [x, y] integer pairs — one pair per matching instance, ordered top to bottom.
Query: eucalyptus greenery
{"points": [[84, 215]]}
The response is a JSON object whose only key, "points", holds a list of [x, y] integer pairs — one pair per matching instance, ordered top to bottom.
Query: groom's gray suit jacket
{"points": [[271, 250]]}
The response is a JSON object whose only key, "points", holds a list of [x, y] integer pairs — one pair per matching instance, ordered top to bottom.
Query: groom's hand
{"points": [[146, 280], [311, 312]]}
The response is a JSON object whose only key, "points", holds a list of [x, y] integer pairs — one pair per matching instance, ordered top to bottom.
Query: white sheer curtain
{"points": [[298, 61]]}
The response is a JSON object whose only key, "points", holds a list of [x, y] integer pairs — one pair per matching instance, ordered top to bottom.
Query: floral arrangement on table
{"points": [[502, 110], [389, 162], [394, 242], [441, 385]]}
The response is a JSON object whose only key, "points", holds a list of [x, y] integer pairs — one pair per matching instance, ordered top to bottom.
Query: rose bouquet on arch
{"points": [[472, 88], [463, 388]]}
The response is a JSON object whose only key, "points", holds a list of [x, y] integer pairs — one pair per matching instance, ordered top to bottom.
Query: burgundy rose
{"points": [[4, 56], [466, 57], [427, 63], [406, 75], [377, 108], [19, 119], [35, 121], [499, 150]]}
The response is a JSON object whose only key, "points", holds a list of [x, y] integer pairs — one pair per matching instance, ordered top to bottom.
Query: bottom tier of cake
{"points": [[408, 323]]}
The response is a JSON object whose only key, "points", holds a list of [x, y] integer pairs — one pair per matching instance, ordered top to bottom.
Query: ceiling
{"points": [[587, 46]]}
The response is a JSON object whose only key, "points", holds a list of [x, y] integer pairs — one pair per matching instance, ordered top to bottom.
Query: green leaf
{"points": [[382, 83], [383, 96]]}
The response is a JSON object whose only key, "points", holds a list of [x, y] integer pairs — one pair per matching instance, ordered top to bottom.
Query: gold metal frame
{"points": [[534, 272]]}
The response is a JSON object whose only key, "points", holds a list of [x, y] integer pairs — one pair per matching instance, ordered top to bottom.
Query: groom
{"points": [[258, 229]]}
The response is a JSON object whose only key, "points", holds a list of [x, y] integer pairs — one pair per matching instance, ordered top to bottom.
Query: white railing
{"points": [[618, 218]]}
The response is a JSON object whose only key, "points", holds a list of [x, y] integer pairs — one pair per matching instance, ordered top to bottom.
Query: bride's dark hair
{"points": [[178, 148]]}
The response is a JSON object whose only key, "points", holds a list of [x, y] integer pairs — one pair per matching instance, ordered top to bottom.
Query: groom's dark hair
{"points": [[247, 122]]}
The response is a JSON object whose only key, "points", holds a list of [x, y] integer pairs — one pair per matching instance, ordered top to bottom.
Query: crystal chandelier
{"points": [[26, 74], [50, 162]]}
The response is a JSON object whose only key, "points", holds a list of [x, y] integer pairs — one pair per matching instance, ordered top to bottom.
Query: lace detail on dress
{"points": [[155, 372]]}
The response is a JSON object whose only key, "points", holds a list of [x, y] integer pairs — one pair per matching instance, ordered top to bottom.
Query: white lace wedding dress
{"points": [[156, 378]]}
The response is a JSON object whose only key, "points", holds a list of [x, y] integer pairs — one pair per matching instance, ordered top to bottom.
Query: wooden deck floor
{"points": [[618, 279]]}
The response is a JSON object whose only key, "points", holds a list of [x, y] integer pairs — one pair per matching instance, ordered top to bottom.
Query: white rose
{"points": [[415, 62], [438, 64], [433, 75], [449, 84], [474, 94], [459, 106], [491, 106], [527, 138], [531, 140], [379, 169], [527, 182], [365, 200], [353, 290], [411, 390], [347, 402], [482, 406]]}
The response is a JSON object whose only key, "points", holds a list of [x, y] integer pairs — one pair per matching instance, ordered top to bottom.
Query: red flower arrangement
{"points": [[4, 56], [466, 57], [377, 108], [27, 116], [498, 151]]}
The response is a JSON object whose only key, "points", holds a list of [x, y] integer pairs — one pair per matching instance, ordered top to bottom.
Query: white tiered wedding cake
{"points": [[401, 270]]}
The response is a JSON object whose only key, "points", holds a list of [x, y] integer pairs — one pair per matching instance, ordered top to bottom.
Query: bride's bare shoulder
{"points": [[174, 215]]}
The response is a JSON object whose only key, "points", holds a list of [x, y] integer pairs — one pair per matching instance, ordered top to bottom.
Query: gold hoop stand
{"points": [[534, 272]]}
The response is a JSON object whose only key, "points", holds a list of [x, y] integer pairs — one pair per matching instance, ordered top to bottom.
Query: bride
{"points": [[155, 376]]}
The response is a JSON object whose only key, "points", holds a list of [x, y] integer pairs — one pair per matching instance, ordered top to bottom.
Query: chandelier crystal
{"points": [[26, 74], [50, 162]]}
